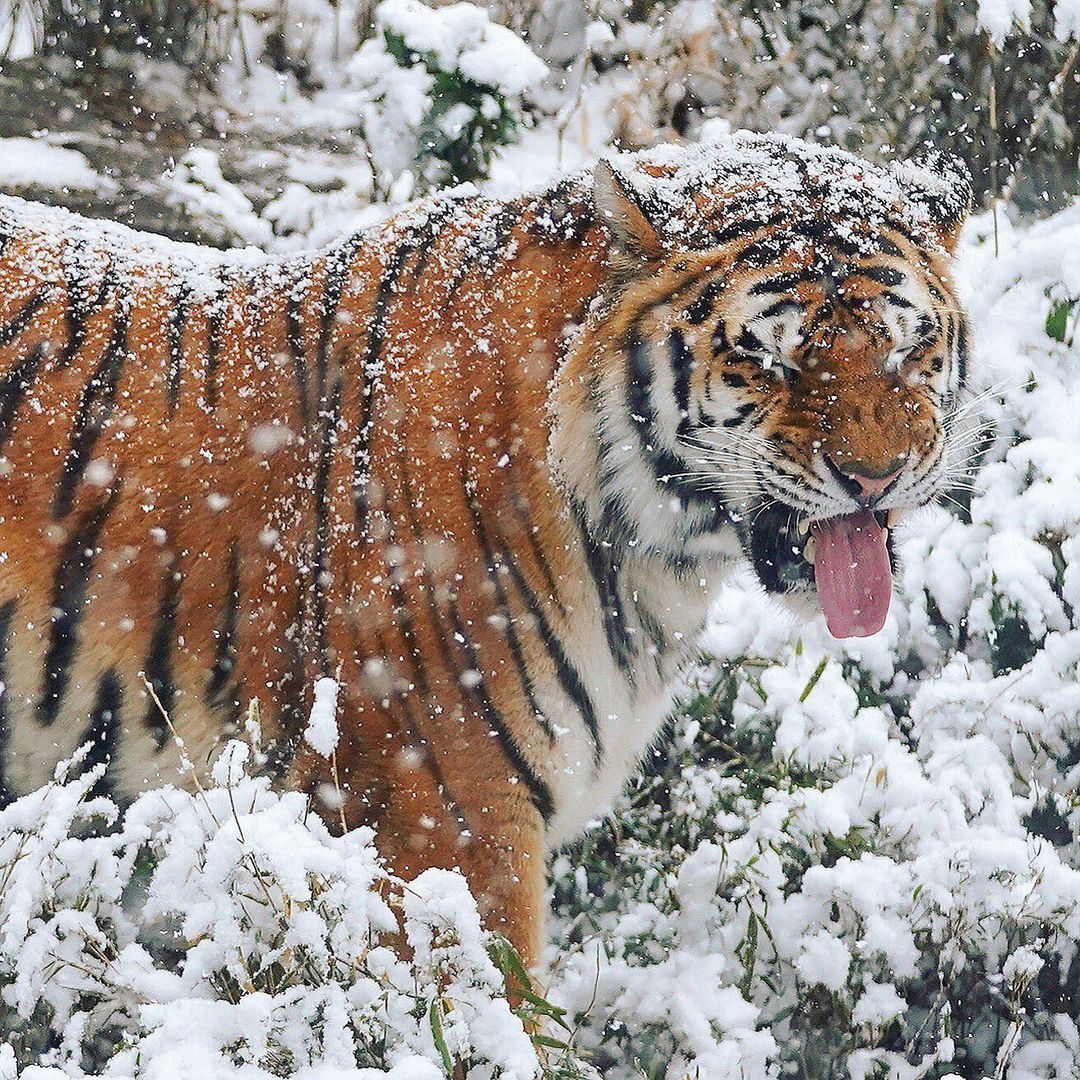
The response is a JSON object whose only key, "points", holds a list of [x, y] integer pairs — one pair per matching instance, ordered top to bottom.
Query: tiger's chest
{"points": [[641, 637]]}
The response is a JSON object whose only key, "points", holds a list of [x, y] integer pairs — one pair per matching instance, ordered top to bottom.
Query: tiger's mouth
{"points": [[847, 562]]}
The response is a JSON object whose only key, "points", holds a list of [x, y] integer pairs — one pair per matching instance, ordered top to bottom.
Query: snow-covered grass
{"points": [[850, 859], [225, 933]]}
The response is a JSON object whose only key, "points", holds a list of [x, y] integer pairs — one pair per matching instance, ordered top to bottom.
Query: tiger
{"points": [[485, 464]]}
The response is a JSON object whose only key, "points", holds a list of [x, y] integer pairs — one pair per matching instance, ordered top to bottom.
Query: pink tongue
{"points": [[854, 579]]}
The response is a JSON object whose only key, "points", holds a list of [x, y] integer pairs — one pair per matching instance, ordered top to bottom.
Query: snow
{"points": [[463, 38], [34, 163], [772, 174], [321, 733], [882, 830], [277, 921]]}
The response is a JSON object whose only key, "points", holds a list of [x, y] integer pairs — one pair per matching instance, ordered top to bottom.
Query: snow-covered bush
{"points": [[443, 89], [861, 859], [226, 932]]}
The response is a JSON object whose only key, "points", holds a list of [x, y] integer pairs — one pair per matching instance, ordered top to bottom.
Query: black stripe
{"points": [[563, 214], [744, 227], [812, 229], [487, 243], [426, 245], [850, 247], [759, 254], [338, 262], [884, 275], [784, 282], [896, 299], [787, 304], [80, 306], [701, 307], [23, 317], [215, 320], [926, 329], [175, 330], [376, 332], [950, 334], [748, 341], [294, 342], [963, 350], [682, 363], [639, 382], [14, 385], [95, 407], [331, 413], [741, 413], [667, 466], [520, 507], [494, 564], [604, 570], [71, 582], [403, 610], [7, 614], [158, 667], [221, 688], [103, 731], [539, 791]]}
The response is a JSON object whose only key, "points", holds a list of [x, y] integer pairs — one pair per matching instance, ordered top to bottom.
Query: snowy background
{"points": [[847, 860]]}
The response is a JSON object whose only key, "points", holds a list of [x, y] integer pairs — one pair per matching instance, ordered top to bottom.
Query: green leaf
{"points": [[1057, 320], [818, 672], [440, 1038]]}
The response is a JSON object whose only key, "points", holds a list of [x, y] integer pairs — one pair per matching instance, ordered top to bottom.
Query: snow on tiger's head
{"points": [[782, 353]]}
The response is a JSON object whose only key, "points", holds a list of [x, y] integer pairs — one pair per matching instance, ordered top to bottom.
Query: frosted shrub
{"points": [[444, 90], [227, 933]]}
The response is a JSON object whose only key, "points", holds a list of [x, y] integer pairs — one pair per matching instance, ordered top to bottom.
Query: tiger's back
{"points": [[210, 465]]}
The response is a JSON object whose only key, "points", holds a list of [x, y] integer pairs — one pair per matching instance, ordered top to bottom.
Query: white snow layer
{"points": [[463, 38], [34, 163], [321, 733]]}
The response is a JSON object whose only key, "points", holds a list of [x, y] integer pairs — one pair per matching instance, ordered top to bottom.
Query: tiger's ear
{"points": [[941, 185], [621, 210]]}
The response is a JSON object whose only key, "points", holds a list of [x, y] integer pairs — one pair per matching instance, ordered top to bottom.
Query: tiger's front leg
{"points": [[438, 802]]}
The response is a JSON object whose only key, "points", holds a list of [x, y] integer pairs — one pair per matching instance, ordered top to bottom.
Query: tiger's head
{"points": [[780, 355]]}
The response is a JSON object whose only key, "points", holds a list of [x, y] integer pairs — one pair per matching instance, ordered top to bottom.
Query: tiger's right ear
{"points": [[622, 213]]}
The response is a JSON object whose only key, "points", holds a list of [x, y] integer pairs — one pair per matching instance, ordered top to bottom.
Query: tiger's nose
{"points": [[866, 481]]}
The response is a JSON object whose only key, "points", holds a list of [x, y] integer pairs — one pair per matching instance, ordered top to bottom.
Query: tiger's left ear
{"points": [[940, 184], [621, 210]]}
